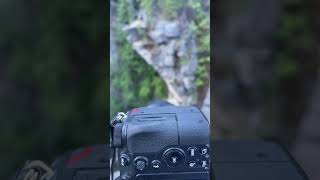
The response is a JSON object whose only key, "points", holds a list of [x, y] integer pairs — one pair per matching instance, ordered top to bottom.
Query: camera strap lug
{"points": [[119, 118]]}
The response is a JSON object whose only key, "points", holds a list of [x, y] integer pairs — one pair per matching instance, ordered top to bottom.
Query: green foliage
{"points": [[147, 5], [170, 8], [123, 12], [201, 28], [295, 29], [295, 38], [287, 65], [52, 69], [203, 72], [134, 82]]}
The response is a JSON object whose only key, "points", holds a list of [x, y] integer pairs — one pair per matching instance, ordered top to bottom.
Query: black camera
{"points": [[166, 142]]}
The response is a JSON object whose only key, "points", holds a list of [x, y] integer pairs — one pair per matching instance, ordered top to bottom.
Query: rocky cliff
{"points": [[170, 46]]}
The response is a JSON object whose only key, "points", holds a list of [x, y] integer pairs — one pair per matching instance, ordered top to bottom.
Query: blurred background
{"points": [[159, 50], [53, 71], [266, 81]]}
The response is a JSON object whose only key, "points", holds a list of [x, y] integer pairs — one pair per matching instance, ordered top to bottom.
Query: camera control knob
{"points": [[174, 157], [141, 163]]}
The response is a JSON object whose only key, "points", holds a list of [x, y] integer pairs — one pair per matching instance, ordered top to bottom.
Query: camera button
{"points": [[192, 151], [204, 151], [156, 164], [192, 164], [204, 164]]}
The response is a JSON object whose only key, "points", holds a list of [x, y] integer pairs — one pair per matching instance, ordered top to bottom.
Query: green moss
{"points": [[147, 5], [170, 8], [123, 12], [201, 28], [295, 39], [287, 66], [134, 83]]}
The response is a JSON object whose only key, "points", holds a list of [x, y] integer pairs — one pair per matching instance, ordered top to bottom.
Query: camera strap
{"points": [[35, 170]]}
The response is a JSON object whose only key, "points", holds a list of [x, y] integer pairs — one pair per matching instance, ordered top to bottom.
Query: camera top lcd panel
{"points": [[164, 142]]}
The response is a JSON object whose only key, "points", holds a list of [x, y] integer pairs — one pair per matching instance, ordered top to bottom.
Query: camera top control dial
{"points": [[174, 157], [141, 163]]}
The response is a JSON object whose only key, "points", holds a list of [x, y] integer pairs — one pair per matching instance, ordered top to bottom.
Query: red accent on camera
{"points": [[135, 110], [81, 155]]}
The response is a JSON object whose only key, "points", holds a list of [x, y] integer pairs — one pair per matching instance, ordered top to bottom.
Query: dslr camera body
{"points": [[161, 143]]}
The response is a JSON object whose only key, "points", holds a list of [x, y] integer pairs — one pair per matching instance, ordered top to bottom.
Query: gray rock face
{"points": [[164, 30], [172, 30], [158, 36], [113, 46], [172, 53], [206, 105]]}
